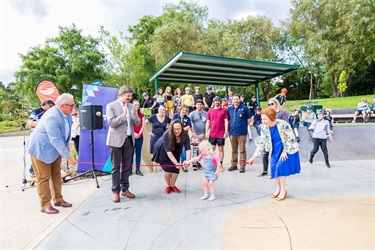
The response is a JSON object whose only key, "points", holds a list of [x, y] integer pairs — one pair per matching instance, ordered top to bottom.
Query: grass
{"points": [[332, 103]]}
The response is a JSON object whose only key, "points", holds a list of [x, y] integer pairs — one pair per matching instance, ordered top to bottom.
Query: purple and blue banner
{"points": [[96, 95]]}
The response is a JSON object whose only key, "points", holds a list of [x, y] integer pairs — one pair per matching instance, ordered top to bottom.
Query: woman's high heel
{"points": [[275, 195], [282, 198]]}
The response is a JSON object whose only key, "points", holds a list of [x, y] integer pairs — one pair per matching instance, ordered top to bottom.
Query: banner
{"points": [[46, 89], [96, 95]]}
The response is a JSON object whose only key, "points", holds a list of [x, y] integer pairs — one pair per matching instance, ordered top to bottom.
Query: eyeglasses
{"points": [[271, 104], [70, 105], [74, 114]]}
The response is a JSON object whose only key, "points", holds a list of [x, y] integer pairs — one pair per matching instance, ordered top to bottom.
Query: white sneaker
{"points": [[204, 197], [212, 198]]}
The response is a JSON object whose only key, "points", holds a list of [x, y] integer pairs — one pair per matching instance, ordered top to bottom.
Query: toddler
{"points": [[209, 161]]}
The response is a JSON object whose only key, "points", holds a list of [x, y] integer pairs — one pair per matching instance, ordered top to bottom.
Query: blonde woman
{"points": [[168, 100]]}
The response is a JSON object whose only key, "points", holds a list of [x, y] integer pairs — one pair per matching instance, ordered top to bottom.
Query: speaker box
{"points": [[91, 117]]}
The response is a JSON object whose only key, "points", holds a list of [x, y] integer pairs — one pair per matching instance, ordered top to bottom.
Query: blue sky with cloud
{"points": [[25, 24]]}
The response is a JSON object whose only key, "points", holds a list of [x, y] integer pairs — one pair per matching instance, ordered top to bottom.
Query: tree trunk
{"points": [[335, 90]]}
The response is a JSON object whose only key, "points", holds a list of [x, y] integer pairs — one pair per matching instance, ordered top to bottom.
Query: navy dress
{"points": [[158, 129], [279, 168]]}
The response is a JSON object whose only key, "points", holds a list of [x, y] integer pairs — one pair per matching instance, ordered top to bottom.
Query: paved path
{"points": [[325, 208]]}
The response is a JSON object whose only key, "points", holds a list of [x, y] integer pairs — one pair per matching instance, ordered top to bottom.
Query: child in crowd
{"points": [[307, 118], [329, 118], [257, 119], [294, 122], [321, 129], [209, 161]]}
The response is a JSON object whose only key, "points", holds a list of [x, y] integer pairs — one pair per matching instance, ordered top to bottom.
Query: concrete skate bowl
{"points": [[351, 142]]}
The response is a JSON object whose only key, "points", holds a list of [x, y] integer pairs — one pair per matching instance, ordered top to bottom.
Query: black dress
{"points": [[158, 129], [161, 149]]}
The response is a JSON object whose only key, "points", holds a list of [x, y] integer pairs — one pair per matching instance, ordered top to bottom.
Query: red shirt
{"points": [[217, 123], [138, 128]]}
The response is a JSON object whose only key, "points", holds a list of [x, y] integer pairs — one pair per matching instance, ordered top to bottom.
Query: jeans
{"points": [[323, 145], [138, 150]]}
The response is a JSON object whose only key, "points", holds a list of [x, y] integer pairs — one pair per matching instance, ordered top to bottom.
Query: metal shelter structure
{"points": [[202, 69]]}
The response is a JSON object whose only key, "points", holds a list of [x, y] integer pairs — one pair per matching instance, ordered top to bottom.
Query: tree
{"points": [[182, 29], [338, 35], [70, 60]]}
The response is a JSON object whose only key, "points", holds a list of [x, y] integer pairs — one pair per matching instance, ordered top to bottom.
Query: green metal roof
{"points": [[201, 69]]}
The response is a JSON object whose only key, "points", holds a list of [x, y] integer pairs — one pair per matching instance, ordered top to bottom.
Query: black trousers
{"points": [[76, 143], [323, 145], [121, 160], [265, 160]]}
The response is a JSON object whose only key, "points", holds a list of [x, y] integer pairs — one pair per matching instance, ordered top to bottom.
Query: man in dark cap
{"points": [[208, 98], [150, 103], [252, 105], [198, 120]]}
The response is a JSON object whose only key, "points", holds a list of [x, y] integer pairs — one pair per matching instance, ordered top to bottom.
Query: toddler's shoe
{"points": [[204, 197], [212, 198]]}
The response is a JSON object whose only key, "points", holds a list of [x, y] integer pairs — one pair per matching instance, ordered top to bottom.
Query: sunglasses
{"points": [[271, 104], [75, 114]]}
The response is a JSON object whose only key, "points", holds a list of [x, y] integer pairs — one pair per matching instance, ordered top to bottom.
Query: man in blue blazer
{"points": [[121, 117], [48, 143]]}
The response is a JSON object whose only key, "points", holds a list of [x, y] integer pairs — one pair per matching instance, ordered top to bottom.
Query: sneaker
{"points": [[297, 138], [310, 159], [328, 165], [200, 166], [195, 167], [221, 168], [232, 168], [155, 170], [185, 170], [242, 170], [262, 174], [175, 189], [167, 190], [204, 197], [212, 198]]}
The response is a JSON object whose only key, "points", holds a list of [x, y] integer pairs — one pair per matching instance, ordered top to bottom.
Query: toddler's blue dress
{"points": [[288, 167], [208, 168]]}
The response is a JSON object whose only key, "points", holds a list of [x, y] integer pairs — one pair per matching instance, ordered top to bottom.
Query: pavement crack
{"points": [[285, 226], [84, 232]]}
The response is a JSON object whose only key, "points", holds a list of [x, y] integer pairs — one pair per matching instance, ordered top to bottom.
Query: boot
{"points": [[310, 158], [327, 164]]}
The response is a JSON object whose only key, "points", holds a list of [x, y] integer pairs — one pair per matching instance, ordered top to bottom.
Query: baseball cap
{"points": [[197, 87], [209, 87], [187, 88], [284, 90], [145, 94], [242, 95], [253, 97], [217, 98], [224, 99], [199, 100], [308, 107], [258, 108], [297, 109]]}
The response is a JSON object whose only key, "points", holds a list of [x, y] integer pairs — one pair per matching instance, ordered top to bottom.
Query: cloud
{"points": [[37, 9]]}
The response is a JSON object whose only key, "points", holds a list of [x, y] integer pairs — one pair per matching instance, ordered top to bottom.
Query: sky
{"points": [[28, 23]]}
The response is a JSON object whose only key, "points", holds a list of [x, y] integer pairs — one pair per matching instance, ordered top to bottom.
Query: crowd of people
{"points": [[208, 118]]}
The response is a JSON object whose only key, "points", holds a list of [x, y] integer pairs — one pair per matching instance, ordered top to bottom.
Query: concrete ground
{"points": [[325, 209]]}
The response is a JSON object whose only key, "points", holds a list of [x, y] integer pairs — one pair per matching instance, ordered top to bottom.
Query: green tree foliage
{"points": [[182, 29], [339, 35], [70, 60], [362, 82], [342, 83]]}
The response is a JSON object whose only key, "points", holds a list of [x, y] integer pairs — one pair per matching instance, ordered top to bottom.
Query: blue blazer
{"points": [[50, 138]]}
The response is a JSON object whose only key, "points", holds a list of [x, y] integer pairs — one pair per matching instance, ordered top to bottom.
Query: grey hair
{"points": [[125, 89], [63, 98], [278, 106]]}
